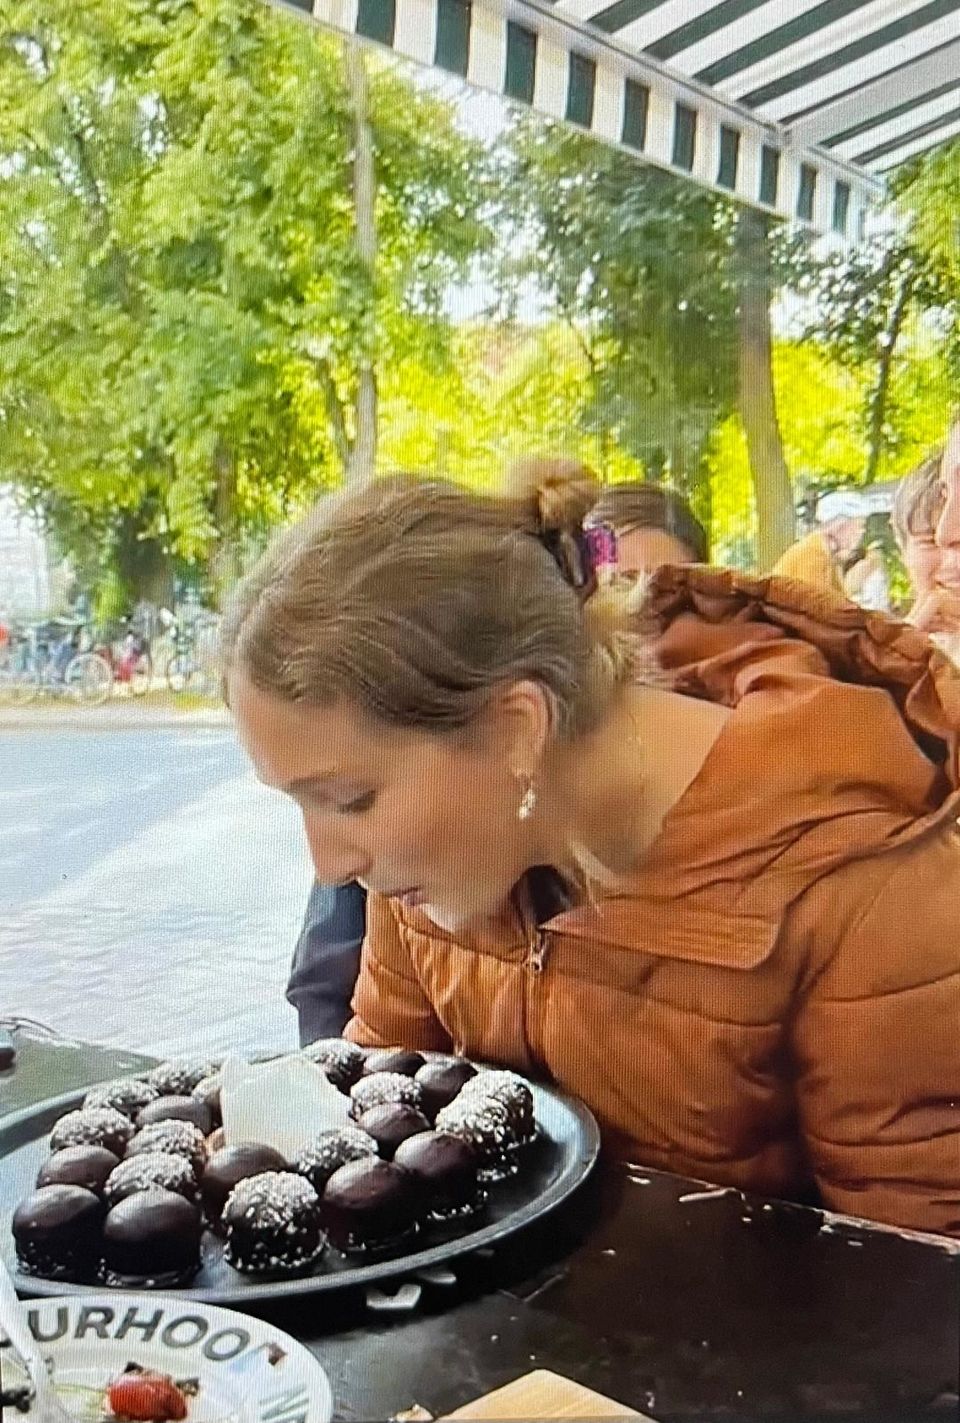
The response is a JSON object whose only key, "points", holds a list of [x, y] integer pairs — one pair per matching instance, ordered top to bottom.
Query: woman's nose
{"points": [[335, 858]]}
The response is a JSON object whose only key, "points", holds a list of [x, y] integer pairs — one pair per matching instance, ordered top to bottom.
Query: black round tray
{"points": [[551, 1168]]}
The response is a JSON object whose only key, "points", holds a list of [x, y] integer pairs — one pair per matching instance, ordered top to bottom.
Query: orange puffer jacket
{"points": [[775, 1004]]}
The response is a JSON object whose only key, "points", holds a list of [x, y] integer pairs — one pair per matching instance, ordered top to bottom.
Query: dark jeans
{"points": [[327, 959]]}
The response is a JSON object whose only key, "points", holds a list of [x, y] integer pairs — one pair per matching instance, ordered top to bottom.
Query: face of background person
{"points": [[948, 526], [845, 536], [643, 550], [921, 558]]}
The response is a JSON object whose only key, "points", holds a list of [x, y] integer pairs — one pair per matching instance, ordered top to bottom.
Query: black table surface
{"points": [[672, 1298]]}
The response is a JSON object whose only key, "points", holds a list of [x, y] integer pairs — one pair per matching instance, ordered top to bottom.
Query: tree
{"points": [[928, 193], [637, 265], [877, 308], [189, 321], [819, 401], [361, 461], [772, 487]]}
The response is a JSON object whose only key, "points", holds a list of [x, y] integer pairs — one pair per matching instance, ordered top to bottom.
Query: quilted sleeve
{"points": [[390, 1008], [877, 1043]]}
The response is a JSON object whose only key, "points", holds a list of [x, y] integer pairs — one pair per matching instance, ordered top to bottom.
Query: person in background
{"points": [[914, 516], [653, 526], [821, 557], [867, 583], [938, 611], [326, 959]]}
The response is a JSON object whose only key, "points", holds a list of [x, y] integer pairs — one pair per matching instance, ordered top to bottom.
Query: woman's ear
{"points": [[518, 721]]}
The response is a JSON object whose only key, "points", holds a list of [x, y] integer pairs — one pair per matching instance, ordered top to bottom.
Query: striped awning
{"points": [[800, 107]]}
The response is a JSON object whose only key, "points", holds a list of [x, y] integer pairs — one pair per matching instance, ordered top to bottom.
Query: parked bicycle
{"points": [[128, 653], [54, 659], [192, 665]]}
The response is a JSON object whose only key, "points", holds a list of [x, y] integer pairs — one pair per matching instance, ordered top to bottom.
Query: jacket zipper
{"points": [[537, 954], [533, 998]]}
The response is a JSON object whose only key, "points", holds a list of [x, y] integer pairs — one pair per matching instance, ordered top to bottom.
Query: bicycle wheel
{"points": [[183, 674], [141, 677], [89, 678], [19, 681]]}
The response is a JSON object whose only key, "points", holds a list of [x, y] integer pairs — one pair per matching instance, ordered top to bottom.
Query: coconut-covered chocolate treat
{"points": [[393, 1059], [340, 1060], [178, 1078], [441, 1081], [383, 1087], [208, 1092], [511, 1092], [128, 1095], [178, 1109], [391, 1123], [484, 1125], [93, 1126], [180, 1138], [331, 1150], [231, 1165], [86, 1166], [149, 1170], [446, 1170], [371, 1205], [272, 1224], [57, 1233], [152, 1238]]}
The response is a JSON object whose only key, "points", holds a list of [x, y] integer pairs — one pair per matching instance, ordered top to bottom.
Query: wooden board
{"points": [[542, 1394]]}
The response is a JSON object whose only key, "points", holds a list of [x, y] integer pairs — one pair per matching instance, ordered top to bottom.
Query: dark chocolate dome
{"points": [[87, 1166]]}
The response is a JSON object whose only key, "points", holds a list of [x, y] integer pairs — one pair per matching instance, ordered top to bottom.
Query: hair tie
{"points": [[602, 548], [582, 556]]}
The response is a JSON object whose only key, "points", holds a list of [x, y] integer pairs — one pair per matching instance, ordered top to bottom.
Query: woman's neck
{"points": [[605, 799]]}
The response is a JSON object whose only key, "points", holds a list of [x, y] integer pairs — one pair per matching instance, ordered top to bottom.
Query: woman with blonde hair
{"points": [[914, 516], [711, 892]]}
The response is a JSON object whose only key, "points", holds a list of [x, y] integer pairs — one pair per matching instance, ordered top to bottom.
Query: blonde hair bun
{"points": [[555, 492]]}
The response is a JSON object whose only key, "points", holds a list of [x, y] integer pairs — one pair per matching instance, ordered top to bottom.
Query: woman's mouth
{"points": [[408, 897]]}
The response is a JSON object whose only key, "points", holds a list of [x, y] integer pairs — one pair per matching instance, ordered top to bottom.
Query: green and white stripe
{"points": [[798, 108]]}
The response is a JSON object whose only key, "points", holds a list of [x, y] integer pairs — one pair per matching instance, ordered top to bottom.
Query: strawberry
{"points": [[145, 1397]]}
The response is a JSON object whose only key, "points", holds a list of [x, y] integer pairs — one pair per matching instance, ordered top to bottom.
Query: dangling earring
{"points": [[528, 801]]}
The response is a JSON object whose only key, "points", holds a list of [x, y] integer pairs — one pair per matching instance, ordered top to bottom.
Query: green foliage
{"points": [[928, 189], [638, 264], [889, 312], [183, 313], [506, 391], [819, 404]]}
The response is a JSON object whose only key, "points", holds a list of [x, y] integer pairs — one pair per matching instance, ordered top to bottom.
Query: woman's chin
{"points": [[455, 919], [449, 920]]}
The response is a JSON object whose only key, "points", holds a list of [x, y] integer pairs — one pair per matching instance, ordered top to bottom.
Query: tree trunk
{"points": [[881, 391], [335, 411], [364, 452], [656, 465], [701, 497], [776, 519], [141, 562], [225, 563]]}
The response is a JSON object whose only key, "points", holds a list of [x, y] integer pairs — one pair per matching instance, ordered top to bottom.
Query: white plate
{"points": [[248, 1371]]}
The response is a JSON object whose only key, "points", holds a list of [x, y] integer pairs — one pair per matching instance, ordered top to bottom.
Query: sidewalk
{"points": [[157, 709]]}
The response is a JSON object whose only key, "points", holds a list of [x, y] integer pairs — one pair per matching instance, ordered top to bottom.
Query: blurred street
{"points": [[150, 889]]}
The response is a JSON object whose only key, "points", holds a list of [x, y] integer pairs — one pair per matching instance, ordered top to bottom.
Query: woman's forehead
{"points": [[292, 741], [295, 743]]}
